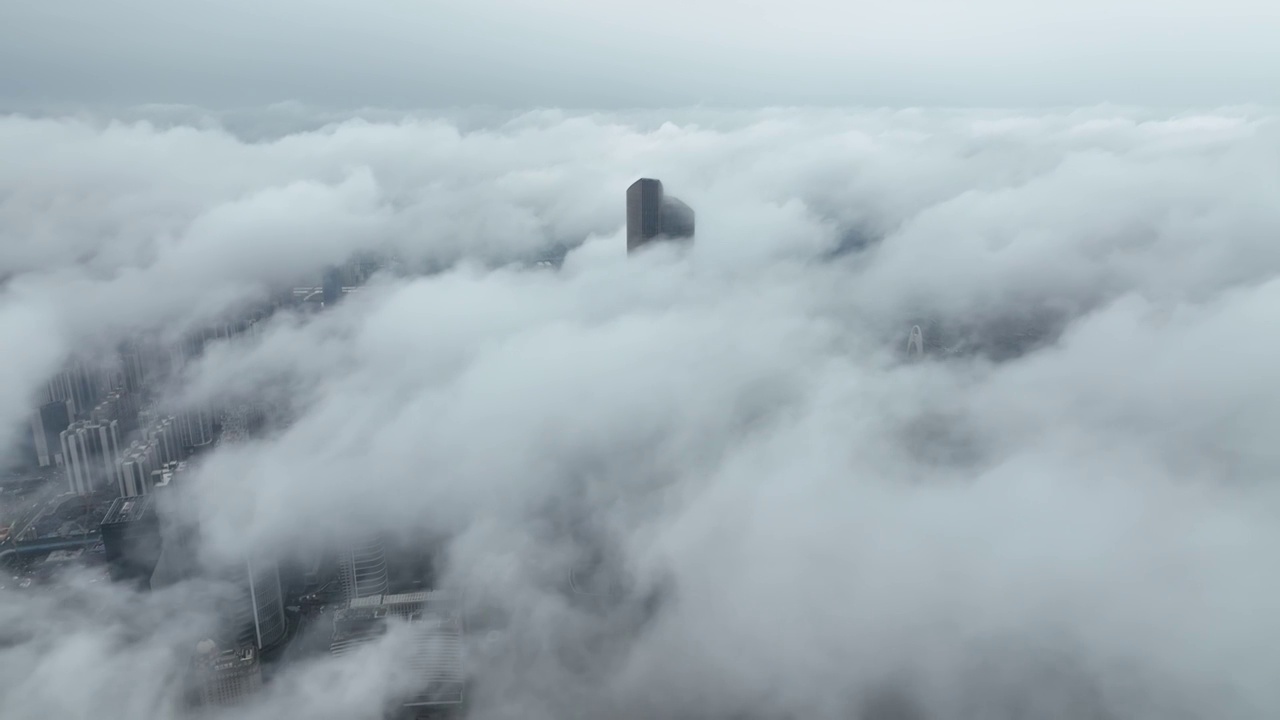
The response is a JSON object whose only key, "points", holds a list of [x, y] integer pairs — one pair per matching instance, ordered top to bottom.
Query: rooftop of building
{"points": [[169, 472], [128, 509], [62, 556], [40, 570], [435, 608], [210, 658]]}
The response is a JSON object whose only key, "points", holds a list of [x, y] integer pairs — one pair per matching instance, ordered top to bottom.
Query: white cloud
{"points": [[732, 419]]}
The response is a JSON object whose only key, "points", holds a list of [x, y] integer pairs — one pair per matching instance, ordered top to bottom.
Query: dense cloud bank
{"points": [[1066, 509]]}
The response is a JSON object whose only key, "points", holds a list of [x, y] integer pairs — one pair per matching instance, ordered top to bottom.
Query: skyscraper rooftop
{"points": [[653, 215], [128, 509], [227, 677]]}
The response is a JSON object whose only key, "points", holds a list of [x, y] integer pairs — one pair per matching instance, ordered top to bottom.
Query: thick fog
{"points": [[1065, 509]]}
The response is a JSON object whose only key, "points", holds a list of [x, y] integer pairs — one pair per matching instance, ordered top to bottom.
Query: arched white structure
{"points": [[915, 343]]}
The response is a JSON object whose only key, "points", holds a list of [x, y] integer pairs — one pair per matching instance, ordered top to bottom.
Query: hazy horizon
{"points": [[571, 53]]}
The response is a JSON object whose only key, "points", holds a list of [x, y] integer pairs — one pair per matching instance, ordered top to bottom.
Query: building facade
{"points": [[47, 424], [91, 454], [137, 464], [131, 539], [362, 568], [260, 619], [436, 626], [227, 677]]}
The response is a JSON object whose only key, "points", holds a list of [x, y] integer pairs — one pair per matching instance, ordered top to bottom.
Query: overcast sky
{"points": [[594, 54]]}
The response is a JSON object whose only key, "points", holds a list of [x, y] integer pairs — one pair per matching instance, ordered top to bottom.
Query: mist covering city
{"points": [[786, 379]]}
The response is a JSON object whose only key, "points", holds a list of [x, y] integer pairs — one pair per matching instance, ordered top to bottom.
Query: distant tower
{"points": [[652, 215], [331, 286], [915, 342], [363, 568]]}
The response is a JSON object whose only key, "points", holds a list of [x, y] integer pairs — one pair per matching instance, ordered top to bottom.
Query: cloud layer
{"points": [[1065, 511]]}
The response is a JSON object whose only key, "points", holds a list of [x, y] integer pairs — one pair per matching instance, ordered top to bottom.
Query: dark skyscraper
{"points": [[652, 215], [331, 286], [47, 425], [131, 539], [252, 602], [258, 616], [227, 677]]}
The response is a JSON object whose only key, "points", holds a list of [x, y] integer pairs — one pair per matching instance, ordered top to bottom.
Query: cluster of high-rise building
{"points": [[94, 426], [102, 428], [117, 446], [91, 455], [96, 459], [151, 539]]}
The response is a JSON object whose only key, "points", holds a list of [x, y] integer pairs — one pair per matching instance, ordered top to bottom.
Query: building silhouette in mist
{"points": [[653, 215], [331, 286], [915, 342], [80, 386], [121, 406], [47, 424], [195, 429], [91, 454], [137, 464], [131, 539], [362, 568], [252, 610], [259, 616], [435, 624], [226, 677]]}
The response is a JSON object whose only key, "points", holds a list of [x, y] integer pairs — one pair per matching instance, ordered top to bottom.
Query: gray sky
{"points": [[587, 53]]}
